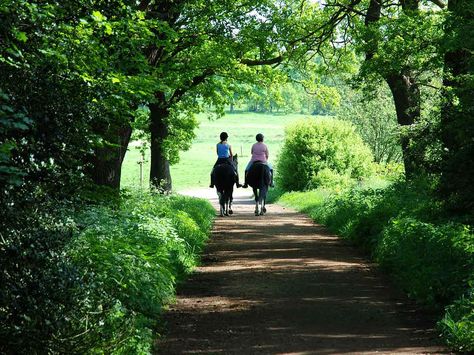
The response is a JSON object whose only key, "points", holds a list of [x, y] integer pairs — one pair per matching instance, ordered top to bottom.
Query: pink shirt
{"points": [[259, 152]]}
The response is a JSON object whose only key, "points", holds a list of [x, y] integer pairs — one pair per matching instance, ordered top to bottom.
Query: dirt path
{"points": [[279, 284]]}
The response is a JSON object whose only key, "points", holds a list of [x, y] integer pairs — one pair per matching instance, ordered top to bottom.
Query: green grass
{"points": [[195, 165]]}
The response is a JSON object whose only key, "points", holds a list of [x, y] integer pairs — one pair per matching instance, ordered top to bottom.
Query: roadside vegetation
{"points": [[404, 226], [82, 278]]}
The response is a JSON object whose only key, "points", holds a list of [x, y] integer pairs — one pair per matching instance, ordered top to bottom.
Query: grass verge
{"points": [[195, 165], [131, 259]]}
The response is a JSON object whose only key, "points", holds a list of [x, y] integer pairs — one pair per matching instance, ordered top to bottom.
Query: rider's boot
{"points": [[212, 180], [237, 180], [245, 185]]}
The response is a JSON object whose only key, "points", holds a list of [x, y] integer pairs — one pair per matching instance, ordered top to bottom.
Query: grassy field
{"points": [[195, 164]]}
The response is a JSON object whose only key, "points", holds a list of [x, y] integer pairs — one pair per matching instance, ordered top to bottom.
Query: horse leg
{"points": [[255, 193], [263, 195], [221, 204], [226, 204], [230, 205]]}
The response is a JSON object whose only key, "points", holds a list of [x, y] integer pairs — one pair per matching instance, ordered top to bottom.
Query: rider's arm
{"points": [[230, 152]]}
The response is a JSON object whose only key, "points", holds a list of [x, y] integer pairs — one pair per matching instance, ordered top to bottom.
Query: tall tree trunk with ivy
{"points": [[405, 90], [406, 96], [457, 118], [106, 162], [160, 176]]}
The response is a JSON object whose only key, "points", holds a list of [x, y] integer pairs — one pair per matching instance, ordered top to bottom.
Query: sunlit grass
{"points": [[195, 165]]}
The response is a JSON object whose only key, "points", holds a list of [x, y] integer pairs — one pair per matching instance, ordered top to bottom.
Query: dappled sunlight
{"points": [[280, 284], [211, 304]]}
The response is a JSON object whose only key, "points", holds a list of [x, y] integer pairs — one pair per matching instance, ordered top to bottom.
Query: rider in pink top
{"points": [[259, 153]]}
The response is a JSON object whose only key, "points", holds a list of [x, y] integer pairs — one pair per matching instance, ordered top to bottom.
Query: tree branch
{"points": [[439, 3], [143, 5], [254, 62], [195, 81]]}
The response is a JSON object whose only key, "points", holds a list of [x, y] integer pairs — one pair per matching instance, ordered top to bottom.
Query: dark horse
{"points": [[259, 177], [224, 178]]}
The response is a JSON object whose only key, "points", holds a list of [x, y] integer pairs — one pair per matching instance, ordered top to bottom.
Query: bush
{"points": [[322, 152], [361, 213], [406, 230], [134, 256], [431, 262], [96, 280], [41, 290], [457, 326]]}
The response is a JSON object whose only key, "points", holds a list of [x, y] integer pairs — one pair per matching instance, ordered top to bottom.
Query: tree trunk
{"points": [[405, 90], [406, 96], [457, 115], [107, 161], [160, 176]]}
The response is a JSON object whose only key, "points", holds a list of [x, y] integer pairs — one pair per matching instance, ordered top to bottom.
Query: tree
{"points": [[198, 44], [203, 48], [402, 61], [82, 80], [457, 117], [375, 119]]}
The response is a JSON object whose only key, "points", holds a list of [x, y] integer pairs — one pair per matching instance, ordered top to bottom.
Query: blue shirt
{"points": [[223, 150]]}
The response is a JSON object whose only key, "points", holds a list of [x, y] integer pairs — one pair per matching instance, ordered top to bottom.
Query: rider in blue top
{"points": [[224, 156]]}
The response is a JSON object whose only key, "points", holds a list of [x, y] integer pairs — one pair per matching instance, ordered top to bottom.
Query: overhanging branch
{"points": [[439, 3], [270, 61], [195, 81]]}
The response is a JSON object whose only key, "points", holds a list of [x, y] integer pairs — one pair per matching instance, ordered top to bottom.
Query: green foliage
{"points": [[402, 40], [375, 120], [12, 123], [456, 128], [318, 152], [361, 214], [405, 229], [136, 254], [440, 258], [96, 280], [40, 288], [457, 325]]}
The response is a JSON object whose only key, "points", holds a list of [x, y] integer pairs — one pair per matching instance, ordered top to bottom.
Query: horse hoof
{"points": [[264, 210], [231, 212]]}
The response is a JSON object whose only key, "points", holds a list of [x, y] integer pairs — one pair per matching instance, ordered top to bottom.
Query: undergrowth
{"points": [[403, 227], [102, 289]]}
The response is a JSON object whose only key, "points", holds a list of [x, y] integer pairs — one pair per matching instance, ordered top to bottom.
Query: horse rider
{"points": [[260, 154], [224, 156]]}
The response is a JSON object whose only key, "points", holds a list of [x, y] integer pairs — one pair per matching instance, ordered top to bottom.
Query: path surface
{"points": [[280, 284]]}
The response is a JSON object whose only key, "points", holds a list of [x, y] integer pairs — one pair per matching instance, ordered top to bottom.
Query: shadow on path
{"points": [[279, 284]]}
